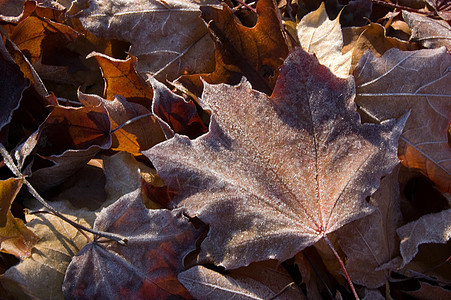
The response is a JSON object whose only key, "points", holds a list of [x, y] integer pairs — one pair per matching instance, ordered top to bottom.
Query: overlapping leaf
{"points": [[164, 45], [255, 53], [384, 93], [276, 174], [148, 265]]}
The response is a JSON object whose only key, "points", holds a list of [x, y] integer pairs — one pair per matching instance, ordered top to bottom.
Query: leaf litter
{"points": [[295, 184]]}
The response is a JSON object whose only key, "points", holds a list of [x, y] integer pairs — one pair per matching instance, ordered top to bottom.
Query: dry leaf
{"points": [[428, 32], [320, 36], [371, 37], [165, 46], [255, 53], [122, 79], [13, 85], [384, 93], [140, 134], [276, 174], [8, 191], [432, 228], [158, 241], [371, 242], [41, 275], [258, 281]]}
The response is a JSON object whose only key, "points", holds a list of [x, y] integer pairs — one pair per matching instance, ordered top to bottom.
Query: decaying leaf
{"points": [[428, 32], [320, 36], [371, 37], [165, 45], [255, 53], [122, 79], [13, 85], [384, 93], [181, 116], [140, 134], [276, 174], [8, 190], [432, 228], [16, 238], [371, 241], [147, 266], [41, 275], [262, 280]]}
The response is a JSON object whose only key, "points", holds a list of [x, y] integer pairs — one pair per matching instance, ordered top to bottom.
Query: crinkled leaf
{"points": [[442, 7], [428, 32], [33, 34], [320, 36], [167, 37], [371, 37], [255, 53], [122, 79], [13, 85], [383, 93], [181, 116], [139, 134], [276, 174], [8, 191], [432, 228], [16, 238], [371, 241], [147, 266], [41, 275], [258, 281]]}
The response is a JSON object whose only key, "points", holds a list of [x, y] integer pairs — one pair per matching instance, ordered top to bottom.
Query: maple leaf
{"points": [[428, 32], [320, 36], [164, 46], [255, 53], [383, 93], [276, 174], [158, 240], [371, 241], [263, 280]]}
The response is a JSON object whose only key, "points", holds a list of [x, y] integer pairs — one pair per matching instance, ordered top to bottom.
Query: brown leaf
{"points": [[442, 7], [12, 11], [428, 32], [33, 34], [320, 36], [371, 37], [164, 46], [256, 53], [122, 79], [13, 85], [384, 93], [181, 116], [140, 134], [276, 174], [8, 192], [432, 228], [16, 238], [371, 242], [148, 265], [41, 275], [262, 280], [427, 291]]}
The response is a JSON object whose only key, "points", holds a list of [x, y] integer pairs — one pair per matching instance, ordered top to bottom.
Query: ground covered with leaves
{"points": [[224, 149]]}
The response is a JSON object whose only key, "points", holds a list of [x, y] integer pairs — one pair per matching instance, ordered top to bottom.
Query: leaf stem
{"points": [[11, 165], [351, 285]]}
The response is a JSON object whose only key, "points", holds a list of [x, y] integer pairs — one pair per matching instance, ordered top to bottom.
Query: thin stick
{"points": [[10, 163], [342, 267]]}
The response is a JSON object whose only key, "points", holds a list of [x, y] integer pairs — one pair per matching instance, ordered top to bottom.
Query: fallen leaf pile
{"points": [[215, 149]]}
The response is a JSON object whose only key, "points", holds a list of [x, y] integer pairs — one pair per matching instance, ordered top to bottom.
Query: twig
{"points": [[392, 5], [10, 163], [351, 285]]}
